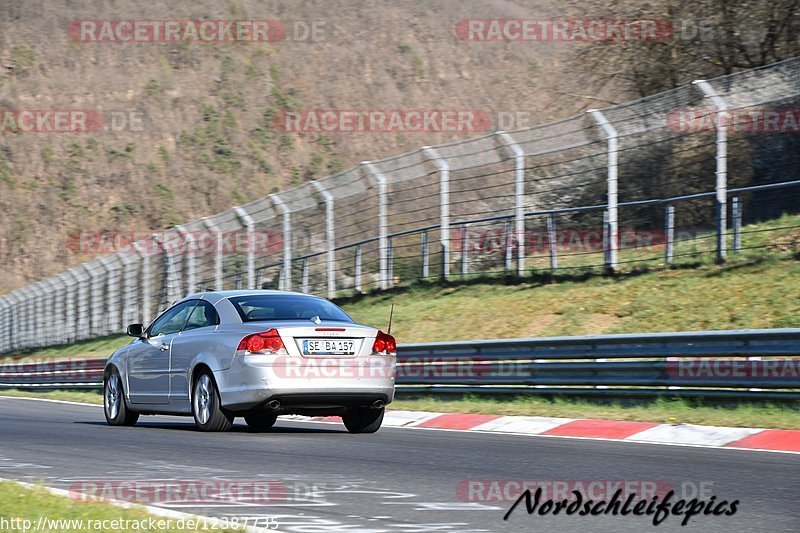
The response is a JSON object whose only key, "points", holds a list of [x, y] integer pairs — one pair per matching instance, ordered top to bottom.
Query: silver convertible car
{"points": [[256, 354]]}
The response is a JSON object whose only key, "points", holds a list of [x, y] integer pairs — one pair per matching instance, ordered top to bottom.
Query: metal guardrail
{"points": [[741, 364]]}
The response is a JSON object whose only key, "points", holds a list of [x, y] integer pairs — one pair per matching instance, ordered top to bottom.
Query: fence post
{"points": [[612, 137], [722, 165], [519, 197], [444, 207], [736, 208], [669, 222], [249, 226], [383, 229], [330, 236], [606, 239], [287, 240], [551, 242], [508, 244], [218, 245], [464, 252], [424, 253], [389, 262], [358, 269], [190, 274], [128, 275], [304, 277], [171, 283], [146, 284], [112, 296], [81, 303], [71, 306], [35, 313], [49, 314], [4, 322], [16, 324], [13, 328]]}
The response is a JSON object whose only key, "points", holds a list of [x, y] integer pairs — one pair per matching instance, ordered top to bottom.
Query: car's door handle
{"points": [[164, 347]]}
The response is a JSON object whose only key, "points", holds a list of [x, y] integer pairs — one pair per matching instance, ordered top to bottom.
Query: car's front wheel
{"points": [[206, 406], [117, 413], [363, 420]]}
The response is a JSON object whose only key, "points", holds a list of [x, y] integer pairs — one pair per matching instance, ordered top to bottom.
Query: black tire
{"points": [[206, 406], [114, 407], [363, 420], [259, 422]]}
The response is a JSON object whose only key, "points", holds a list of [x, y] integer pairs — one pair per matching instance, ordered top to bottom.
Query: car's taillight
{"points": [[268, 342], [384, 344]]}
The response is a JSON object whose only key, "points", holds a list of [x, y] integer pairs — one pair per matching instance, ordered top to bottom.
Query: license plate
{"points": [[329, 347]]}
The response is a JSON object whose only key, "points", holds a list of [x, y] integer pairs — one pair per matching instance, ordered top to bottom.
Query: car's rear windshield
{"points": [[279, 307]]}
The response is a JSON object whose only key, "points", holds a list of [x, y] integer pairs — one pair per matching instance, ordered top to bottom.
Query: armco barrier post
{"points": [[722, 165], [519, 197], [444, 207], [247, 222], [612, 231], [330, 237], [383, 240], [286, 280]]}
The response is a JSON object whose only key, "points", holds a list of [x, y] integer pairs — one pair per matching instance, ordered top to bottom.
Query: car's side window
{"points": [[202, 316], [172, 321]]}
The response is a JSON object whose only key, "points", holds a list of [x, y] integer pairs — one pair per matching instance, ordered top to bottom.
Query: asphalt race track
{"points": [[403, 480]]}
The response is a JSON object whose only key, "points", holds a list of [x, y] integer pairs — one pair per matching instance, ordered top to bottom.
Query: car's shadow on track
{"points": [[237, 428]]}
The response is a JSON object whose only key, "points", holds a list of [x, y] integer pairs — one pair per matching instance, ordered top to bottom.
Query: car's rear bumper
{"points": [[301, 384]]}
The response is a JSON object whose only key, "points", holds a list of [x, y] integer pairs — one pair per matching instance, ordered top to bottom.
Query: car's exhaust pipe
{"points": [[274, 404], [378, 404]]}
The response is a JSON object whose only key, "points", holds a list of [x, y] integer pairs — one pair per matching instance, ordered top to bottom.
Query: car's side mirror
{"points": [[136, 330]]}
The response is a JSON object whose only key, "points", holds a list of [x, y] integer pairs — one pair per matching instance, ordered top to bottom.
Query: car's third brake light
{"points": [[268, 342], [384, 344]]}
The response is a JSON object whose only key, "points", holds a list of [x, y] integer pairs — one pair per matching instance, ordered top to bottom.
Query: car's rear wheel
{"points": [[206, 406], [117, 413], [362, 420], [261, 421]]}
